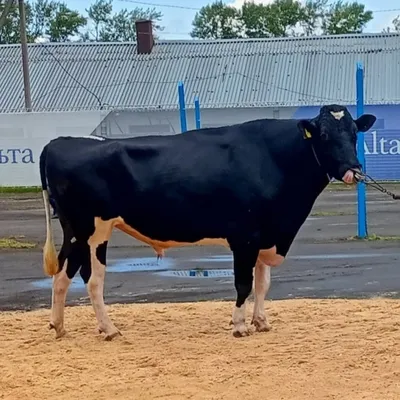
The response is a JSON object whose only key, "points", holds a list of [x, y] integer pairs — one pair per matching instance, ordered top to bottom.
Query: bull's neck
{"points": [[300, 160], [310, 168], [319, 173]]}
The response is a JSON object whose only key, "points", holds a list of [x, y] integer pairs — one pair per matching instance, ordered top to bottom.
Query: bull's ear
{"points": [[365, 122], [308, 128]]}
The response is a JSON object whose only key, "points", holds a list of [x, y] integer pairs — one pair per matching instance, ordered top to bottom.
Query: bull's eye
{"points": [[324, 137]]}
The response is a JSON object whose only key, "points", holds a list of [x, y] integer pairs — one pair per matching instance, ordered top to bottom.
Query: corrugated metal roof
{"points": [[224, 73]]}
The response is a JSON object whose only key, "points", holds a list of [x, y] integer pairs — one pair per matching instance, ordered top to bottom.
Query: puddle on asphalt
{"points": [[213, 259], [142, 264], [165, 267], [196, 273], [76, 284]]}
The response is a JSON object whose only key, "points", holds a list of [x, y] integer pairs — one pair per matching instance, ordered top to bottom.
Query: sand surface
{"points": [[329, 349]]}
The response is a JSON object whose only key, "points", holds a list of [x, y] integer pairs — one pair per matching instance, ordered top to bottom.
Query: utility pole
{"points": [[24, 52]]}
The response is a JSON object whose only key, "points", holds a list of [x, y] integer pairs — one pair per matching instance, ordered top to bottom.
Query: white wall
{"points": [[23, 135]]}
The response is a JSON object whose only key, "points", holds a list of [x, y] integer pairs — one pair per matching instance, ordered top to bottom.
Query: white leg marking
{"points": [[262, 282], [61, 284], [95, 285], [239, 321]]}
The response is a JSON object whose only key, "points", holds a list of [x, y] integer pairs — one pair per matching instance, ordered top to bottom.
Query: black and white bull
{"points": [[248, 186]]}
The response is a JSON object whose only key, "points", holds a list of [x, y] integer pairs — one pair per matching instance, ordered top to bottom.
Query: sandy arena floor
{"points": [[329, 349]]}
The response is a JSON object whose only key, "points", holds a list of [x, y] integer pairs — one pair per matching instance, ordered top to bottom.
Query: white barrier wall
{"points": [[23, 136]]}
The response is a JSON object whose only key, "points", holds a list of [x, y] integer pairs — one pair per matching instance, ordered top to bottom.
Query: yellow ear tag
{"points": [[307, 134]]}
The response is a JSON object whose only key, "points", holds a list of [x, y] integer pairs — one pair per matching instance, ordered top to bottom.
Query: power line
{"points": [[144, 3], [388, 10], [71, 76]]}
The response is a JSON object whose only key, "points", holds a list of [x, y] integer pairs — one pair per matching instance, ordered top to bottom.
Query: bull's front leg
{"points": [[267, 258], [244, 259], [262, 282], [95, 286], [95, 289]]}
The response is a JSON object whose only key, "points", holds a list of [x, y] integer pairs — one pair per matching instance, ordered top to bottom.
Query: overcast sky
{"points": [[177, 21]]}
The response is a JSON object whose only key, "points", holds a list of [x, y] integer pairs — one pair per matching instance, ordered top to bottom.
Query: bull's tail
{"points": [[50, 259]]}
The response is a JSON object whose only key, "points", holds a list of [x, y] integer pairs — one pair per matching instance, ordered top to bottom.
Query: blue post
{"points": [[182, 109], [197, 112], [362, 206]]}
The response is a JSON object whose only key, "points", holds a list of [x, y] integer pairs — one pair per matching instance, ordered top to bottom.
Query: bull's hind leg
{"points": [[98, 249], [72, 255], [244, 260], [262, 282], [61, 284]]}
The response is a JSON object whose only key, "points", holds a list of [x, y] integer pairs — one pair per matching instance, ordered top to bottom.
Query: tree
{"points": [[42, 12], [100, 15], [286, 16], [312, 16], [43, 18], [279, 18], [346, 18], [276, 19], [268, 20], [216, 21], [59, 23], [64, 23], [396, 23], [119, 26], [122, 26], [396, 26], [9, 31]]}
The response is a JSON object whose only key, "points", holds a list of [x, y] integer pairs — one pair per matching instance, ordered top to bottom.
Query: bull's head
{"points": [[334, 135]]}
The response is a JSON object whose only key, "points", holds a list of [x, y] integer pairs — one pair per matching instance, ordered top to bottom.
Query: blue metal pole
{"points": [[182, 109], [197, 112], [362, 203]]}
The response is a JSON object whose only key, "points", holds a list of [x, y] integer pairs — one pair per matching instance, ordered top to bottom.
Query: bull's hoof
{"points": [[261, 325], [60, 331], [240, 331], [111, 335]]}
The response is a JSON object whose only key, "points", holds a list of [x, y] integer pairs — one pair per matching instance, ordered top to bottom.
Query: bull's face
{"points": [[334, 134]]}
